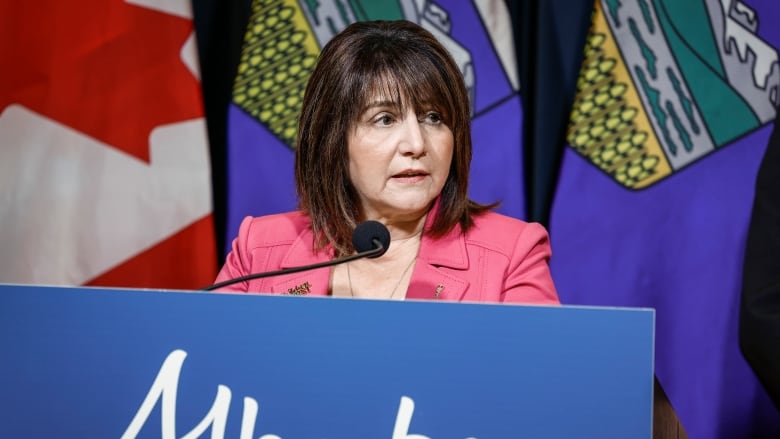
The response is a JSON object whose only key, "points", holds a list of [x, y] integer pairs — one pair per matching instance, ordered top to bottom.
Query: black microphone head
{"points": [[369, 235]]}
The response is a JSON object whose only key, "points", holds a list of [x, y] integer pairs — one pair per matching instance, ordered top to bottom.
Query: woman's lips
{"points": [[410, 176]]}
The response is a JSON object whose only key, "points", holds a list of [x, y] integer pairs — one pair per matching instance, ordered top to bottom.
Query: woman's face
{"points": [[398, 160]]}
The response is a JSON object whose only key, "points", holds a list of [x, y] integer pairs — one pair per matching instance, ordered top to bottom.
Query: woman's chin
{"points": [[401, 211]]}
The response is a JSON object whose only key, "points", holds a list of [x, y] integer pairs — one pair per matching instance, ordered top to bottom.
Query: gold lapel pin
{"points": [[439, 289], [300, 290]]}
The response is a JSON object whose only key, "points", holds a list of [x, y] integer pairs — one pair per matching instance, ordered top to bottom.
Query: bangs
{"points": [[417, 85]]}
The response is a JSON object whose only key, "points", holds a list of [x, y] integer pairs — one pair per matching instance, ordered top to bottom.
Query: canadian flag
{"points": [[104, 164]]}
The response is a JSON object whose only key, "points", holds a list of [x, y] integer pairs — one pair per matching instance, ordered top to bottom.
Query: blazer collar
{"points": [[449, 251], [301, 252], [428, 280]]}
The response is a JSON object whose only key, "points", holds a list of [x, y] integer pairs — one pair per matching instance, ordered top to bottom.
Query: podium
{"points": [[126, 363]]}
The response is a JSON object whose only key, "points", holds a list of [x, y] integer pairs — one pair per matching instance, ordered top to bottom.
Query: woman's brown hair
{"points": [[397, 59]]}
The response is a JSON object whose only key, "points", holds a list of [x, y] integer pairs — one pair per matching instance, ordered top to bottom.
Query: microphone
{"points": [[370, 239]]}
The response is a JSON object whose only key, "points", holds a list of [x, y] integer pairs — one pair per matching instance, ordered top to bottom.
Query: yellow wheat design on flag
{"points": [[277, 57], [608, 124]]}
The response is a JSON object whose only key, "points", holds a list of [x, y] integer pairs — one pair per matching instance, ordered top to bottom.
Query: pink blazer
{"points": [[500, 259]]}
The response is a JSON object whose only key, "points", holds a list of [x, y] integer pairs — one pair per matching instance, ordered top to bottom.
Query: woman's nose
{"points": [[412, 141]]}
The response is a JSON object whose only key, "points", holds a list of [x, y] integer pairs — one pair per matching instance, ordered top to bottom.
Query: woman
{"points": [[384, 135]]}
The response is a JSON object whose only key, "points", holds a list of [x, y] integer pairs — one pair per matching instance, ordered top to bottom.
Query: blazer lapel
{"points": [[429, 281], [309, 282]]}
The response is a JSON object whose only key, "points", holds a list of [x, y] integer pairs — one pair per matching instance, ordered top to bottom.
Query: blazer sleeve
{"points": [[238, 261], [528, 278]]}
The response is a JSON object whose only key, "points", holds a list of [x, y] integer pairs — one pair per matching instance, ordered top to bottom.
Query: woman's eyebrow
{"points": [[380, 103]]}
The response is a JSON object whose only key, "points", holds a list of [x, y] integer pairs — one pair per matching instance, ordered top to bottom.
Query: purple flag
{"points": [[674, 108]]}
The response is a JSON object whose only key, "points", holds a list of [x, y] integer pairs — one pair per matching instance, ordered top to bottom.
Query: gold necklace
{"points": [[400, 279], [392, 293]]}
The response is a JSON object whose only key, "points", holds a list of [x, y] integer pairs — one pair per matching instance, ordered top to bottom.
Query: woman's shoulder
{"points": [[492, 218], [273, 229], [504, 232]]}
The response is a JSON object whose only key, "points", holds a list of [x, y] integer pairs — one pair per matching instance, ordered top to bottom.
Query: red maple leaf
{"points": [[103, 67]]}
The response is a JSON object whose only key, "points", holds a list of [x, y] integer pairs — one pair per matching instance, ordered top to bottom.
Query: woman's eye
{"points": [[433, 117], [384, 119]]}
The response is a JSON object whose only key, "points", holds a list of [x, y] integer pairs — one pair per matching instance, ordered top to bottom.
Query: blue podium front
{"points": [[118, 363]]}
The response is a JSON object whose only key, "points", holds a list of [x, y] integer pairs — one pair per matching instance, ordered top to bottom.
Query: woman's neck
{"points": [[403, 230]]}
